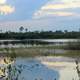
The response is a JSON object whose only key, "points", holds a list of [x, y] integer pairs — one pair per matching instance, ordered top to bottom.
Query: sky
{"points": [[40, 14]]}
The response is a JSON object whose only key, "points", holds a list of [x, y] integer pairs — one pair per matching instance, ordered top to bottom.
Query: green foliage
{"points": [[39, 35], [13, 71]]}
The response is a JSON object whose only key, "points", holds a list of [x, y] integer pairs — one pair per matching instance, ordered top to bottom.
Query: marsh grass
{"points": [[38, 51], [33, 52], [70, 53], [10, 71]]}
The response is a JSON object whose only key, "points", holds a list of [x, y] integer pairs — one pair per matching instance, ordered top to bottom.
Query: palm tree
{"points": [[21, 29], [26, 29], [0, 31]]}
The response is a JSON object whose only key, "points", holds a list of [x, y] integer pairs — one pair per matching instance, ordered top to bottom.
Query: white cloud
{"points": [[2, 1], [68, 1], [61, 6], [58, 8], [6, 9], [61, 13]]}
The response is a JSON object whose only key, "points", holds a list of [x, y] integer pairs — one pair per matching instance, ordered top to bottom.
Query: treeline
{"points": [[40, 35]]}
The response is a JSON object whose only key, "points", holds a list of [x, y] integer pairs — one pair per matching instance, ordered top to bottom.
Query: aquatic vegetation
{"points": [[77, 68], [9, 71]]}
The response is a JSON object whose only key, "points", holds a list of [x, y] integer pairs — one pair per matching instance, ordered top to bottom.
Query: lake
{"points": [[35, 42], [27, 44], [44, 68], [48, 68]]}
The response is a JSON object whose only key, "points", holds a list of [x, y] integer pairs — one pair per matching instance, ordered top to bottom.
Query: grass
{"points": [[45, 47], [1, 49], [30, 51], [39, 51], [24, 52], [27, 52], [71, 53]]}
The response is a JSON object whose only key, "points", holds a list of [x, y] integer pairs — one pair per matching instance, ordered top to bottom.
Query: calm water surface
{"points": [[48, 68]]}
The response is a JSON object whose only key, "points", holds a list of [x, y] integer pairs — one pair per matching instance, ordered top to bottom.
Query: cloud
{"points": [[2, 1], [68, 1], [61, 6], [58, 8], [6, 9], [61, 13], [41, 14]]}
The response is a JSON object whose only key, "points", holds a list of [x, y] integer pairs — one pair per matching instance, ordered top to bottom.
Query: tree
{"points": [[21, 29], [26, 29], [0, 31], [65, 31]]}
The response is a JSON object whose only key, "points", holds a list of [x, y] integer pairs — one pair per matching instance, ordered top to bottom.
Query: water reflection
{"points": [[45, 68], [35, 70]]}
